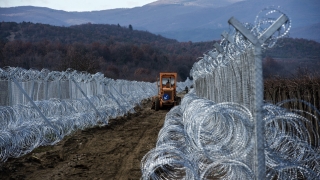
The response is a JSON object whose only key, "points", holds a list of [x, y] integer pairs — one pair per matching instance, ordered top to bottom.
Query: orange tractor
{"points": [[167, 94]]}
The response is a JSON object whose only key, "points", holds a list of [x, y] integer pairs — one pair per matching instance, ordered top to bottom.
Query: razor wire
{"points": [[234, 43], [69, 101], [214, 128], [202, 139]]}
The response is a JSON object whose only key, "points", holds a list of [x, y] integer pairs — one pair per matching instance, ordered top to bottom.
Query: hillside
{"points": [[184, 20], [85, 33], [118, 52], [124, 53]]}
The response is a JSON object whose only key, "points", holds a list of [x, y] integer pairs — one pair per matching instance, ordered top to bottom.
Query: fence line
{"points": [[240, 79], [41, 107], [223, 128]]}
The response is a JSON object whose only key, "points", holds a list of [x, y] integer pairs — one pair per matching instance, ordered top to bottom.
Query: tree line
{"points": [[123, 53], [299, 93]]}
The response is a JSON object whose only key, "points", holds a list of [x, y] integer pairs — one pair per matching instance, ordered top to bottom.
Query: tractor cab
{"points": [[167, 95]]}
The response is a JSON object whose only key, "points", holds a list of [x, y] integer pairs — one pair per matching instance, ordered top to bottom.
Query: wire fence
{"points": [[45, 84], [41, 107], [223, 129]]}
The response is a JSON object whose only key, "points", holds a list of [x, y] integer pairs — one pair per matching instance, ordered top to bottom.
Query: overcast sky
{"points": [[76, 5]]}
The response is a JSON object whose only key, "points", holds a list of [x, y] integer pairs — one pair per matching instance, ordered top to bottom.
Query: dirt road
{"points": [[110, 152]]}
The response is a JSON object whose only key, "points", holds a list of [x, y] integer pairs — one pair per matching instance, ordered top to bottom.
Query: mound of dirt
{"points": [[109, 152]]}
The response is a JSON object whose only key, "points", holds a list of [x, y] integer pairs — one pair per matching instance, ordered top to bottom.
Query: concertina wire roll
{"points": [[202, 139]]}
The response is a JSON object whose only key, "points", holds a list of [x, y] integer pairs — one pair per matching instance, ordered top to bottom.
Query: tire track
{"points": [[128, 163]]}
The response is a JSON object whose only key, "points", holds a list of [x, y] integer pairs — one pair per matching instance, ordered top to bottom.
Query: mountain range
{"points": [[184, 20]]}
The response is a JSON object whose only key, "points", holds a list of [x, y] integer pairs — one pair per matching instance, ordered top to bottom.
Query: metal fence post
{"points": [[46, 88], [32, 90], [10, 93], [60, 94], [120, 95], [91, 104], [35, 106], [259, 124], [259, 159]]}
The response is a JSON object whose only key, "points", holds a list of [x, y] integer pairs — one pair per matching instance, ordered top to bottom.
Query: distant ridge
{"points": [[200, 3], [184, 20]]}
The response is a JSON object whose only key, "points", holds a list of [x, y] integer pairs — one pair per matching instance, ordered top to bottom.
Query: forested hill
{"points": [[85, 33], [117, 51]]}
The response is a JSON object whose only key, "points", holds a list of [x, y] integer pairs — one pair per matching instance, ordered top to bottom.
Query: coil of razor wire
{"points": [[264, 19], [201, 139]]}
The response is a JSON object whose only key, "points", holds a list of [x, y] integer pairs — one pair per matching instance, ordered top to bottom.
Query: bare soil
{"points": [[109, 152]]}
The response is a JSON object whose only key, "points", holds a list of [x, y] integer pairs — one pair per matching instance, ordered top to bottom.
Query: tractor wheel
{"points": [[157, 104]]}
